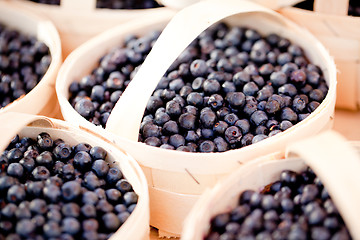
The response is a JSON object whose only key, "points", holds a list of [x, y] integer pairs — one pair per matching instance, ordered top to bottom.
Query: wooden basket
{"points": [[78, 21], [341, 35], [42, 98], [332, 158], [176, 179], [137, 225]]}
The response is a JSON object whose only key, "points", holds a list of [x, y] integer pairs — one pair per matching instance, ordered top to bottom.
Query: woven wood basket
{"points": [[78, 21], [341, 35], [42, 98], [335, 160], [176, 179], [137, 225]]}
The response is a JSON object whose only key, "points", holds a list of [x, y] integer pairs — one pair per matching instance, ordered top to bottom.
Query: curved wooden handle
{"points": [[78, 5], [337, 7], [184, 27], [12, 123], [337, 164]]}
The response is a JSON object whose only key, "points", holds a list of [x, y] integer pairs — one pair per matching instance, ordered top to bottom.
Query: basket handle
{"points": [[78, 5], [336, 7], [184, 27], [12, 123], [337, 164]]}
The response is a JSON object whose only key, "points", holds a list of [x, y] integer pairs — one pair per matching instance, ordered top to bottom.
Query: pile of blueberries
{"points": [[50, 2], [113, 4], [127, 4], [354, 7], [23, 62], [230, 88], [51, 190], [295, 207]]}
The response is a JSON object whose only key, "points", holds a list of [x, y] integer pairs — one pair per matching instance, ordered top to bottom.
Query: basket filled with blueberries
{"points": [[326, 20], [78, 21], [30, 57], [240, 88], [60, 182], [302, 196]]}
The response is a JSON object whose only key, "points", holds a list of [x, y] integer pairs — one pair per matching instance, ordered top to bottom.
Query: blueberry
{"points": [[284, 58], [198, 68], [298, 77], [241, 78], [313, 78], [197, 83], [176, 84], [211, 86], [287, 89], [264, 93], [316, 95], [195, 99], [235, 99], [216, 101], [154, 103], [299, 103], [272, 106], [312, 106], [85, 107], [173, 108], [191, 109], [289, 114], [208, 118], [231, 118], [258, 118], [187, 121], [285, 124], [170, 127], [220, 127], [261, 130], [233, 135], [258, 138], [246, 139], [177, 140], [153, 141], [220, 144], [207, 146], [82, 147], [98, 152], [14, 155], [45, 159], [82, 160], [100, 167], [15, 170], [40, 173], [114, 174], [123, 186], [34, 189], [71, 190], [52, 193], [16, 194], [113, 195], [38, 206], [103, 206], [70, 210], [54, 215], [219, 222], [70, 225], [25, 227], [52, 229], [320, 233]]}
